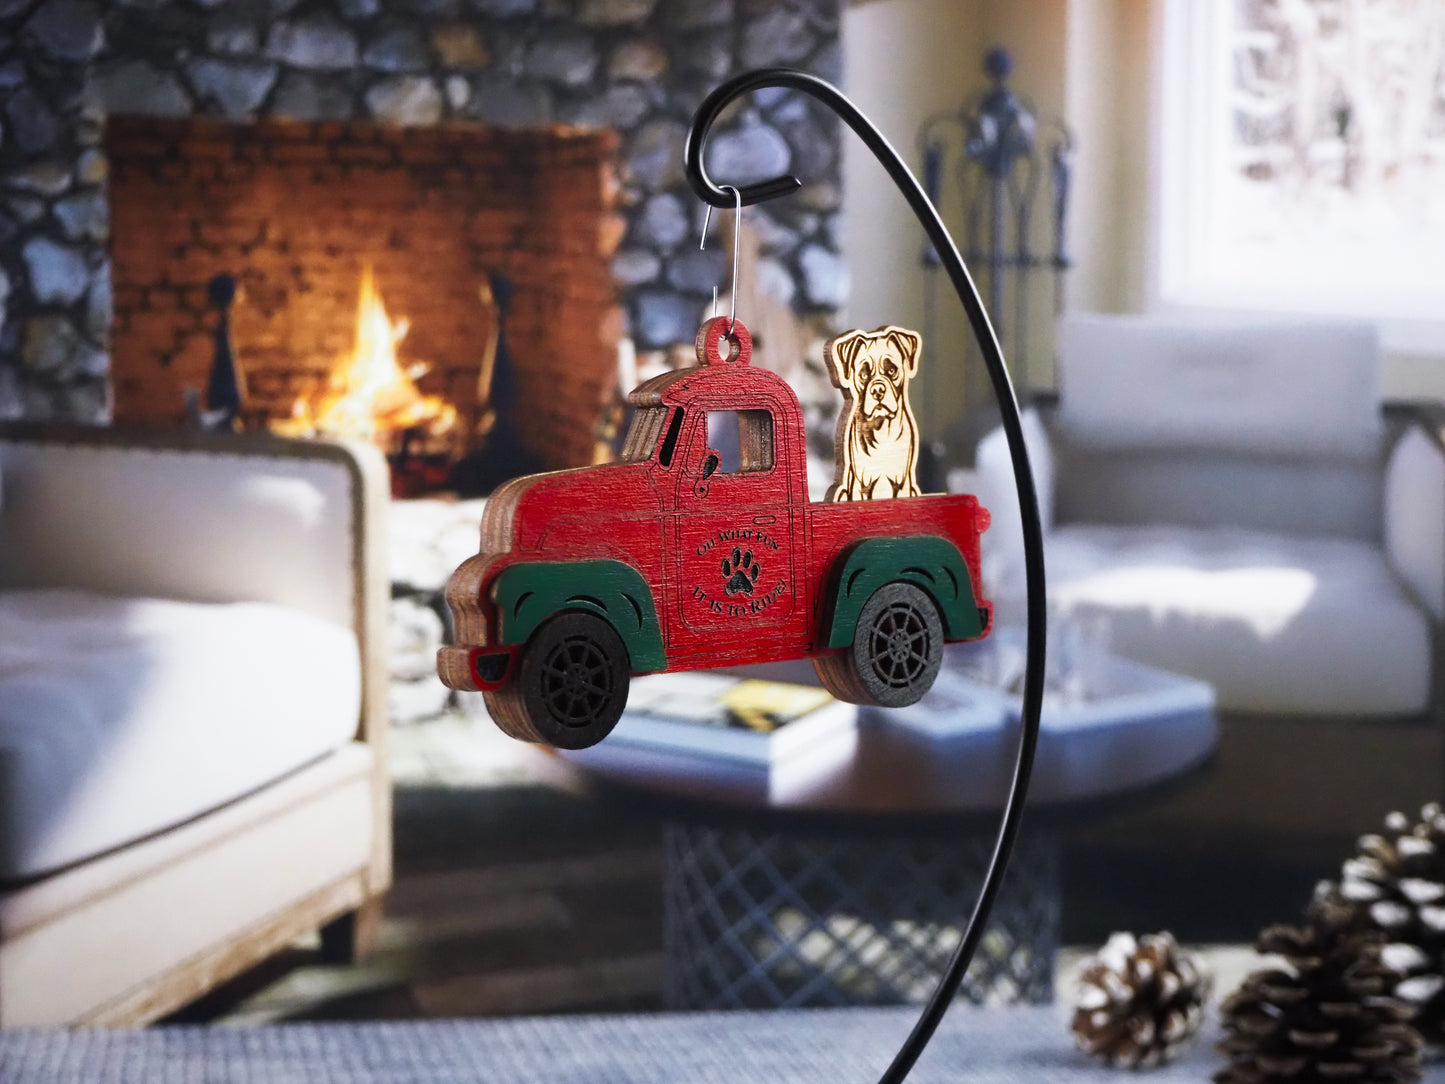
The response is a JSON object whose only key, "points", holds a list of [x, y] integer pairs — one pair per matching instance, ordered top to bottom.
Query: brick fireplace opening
{"points": [[297, 211]]}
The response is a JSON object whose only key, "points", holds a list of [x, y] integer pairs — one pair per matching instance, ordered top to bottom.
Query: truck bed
{"points": [[956, 517]]}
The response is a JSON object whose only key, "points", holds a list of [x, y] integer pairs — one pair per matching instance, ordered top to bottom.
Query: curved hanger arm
{"points": [[967, 292]]}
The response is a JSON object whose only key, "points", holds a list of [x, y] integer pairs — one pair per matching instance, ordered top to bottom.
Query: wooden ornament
{"points": [[875, 448], [700, 548]]}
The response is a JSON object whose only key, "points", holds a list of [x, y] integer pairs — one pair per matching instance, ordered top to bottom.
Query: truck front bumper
{"points": [[475, 669]]}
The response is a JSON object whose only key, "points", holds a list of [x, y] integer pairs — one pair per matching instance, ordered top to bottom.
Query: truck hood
{"points": [[521, 514]]}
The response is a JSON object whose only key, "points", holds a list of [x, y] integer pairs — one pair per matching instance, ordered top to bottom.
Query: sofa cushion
{"points": [[1303, 388], [1275, 623], [122, 717]]}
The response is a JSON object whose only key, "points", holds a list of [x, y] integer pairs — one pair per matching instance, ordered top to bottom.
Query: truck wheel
{"points": [[896, 652], [570, 686]]}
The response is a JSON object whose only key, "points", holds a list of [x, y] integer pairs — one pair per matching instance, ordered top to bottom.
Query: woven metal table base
{"points": [[775, 920]]}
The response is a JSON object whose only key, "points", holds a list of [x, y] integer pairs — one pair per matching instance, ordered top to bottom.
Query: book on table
{"points": [[954, 706], [728, 717]]}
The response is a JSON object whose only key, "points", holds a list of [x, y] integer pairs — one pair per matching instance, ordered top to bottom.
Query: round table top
{"points": [[1153, 730]]}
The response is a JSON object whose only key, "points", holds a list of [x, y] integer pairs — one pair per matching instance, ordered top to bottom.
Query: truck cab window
{"points": [[743, 440], [669, 442]]}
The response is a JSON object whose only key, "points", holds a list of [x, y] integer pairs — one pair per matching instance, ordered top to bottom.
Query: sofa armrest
{"points": [[1414, 509], [1003, 542]]}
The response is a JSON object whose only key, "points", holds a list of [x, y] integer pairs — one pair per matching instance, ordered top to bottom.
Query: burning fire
{"points": [[369, 394]]}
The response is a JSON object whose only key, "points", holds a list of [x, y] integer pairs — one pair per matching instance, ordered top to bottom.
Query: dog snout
{"points": [[880, 397]]}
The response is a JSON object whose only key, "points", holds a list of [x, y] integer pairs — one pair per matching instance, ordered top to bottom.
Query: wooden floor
{"points": [[513, 896]]}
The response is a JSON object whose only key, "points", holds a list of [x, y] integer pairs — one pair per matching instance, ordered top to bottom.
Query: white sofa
{"points": [[1228, 499], [192, 713]]}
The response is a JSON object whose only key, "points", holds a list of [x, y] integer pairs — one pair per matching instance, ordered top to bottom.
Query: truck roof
{"points": [[681, 386]]}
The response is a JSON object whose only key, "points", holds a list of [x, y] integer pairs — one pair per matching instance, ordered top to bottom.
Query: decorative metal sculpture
{"points": [[1002, 157], [225, 388]]}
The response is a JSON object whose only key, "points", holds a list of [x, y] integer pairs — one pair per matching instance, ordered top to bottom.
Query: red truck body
{"points": [[701, 548], [742, 567]]}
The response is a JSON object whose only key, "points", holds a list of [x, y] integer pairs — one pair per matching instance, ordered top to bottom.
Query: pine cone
{"points": [[1396, 884], [1139, 1001], [1326, 1015]]}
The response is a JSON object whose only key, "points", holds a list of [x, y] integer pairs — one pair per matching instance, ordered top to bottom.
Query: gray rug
{"points": [[837, 1046]]}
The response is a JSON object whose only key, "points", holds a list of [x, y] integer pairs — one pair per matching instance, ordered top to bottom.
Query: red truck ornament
{"points": [[700, 548]]}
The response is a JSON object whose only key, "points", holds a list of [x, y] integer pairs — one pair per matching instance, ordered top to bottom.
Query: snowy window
{"points": [[1303, 156]]}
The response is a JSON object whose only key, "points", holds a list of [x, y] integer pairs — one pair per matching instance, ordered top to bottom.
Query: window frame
{"points": [[1189, 80], [767, 422]]}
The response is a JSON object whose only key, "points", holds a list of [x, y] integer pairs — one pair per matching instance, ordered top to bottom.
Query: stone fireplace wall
{"points": [[638, 67]]}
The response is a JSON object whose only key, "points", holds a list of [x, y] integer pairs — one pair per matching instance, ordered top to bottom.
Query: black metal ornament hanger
{"points": [[952, 262]]}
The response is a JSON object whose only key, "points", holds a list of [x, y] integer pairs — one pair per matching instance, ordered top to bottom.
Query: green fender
{"points": [[927, 561], [528, 594]]}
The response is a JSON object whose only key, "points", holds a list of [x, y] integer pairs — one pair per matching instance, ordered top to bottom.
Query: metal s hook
{"points": [[737, 246]]}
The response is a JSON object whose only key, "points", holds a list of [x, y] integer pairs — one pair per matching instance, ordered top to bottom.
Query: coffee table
{"points": [[844, 878]]}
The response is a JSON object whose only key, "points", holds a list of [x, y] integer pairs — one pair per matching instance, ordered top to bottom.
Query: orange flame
{"points": [[369, 394]]}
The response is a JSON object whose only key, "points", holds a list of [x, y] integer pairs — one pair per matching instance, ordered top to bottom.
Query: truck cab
{"points": [[734, 501]]}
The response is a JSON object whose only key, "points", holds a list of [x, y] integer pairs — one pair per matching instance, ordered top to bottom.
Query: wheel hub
{"points": [[898, 646], [575, 682], [570, 684]]}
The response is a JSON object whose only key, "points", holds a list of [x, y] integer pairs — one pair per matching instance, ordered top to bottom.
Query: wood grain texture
{"points": [[875, 447], [371, 496], [930, 563], [528, 594], [464, 598], [454, 667], [839, 677], [508, 711], [135, 932], [181, 985]]}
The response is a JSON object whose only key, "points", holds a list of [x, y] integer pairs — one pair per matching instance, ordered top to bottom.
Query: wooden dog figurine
{"points": [[875, 447]]}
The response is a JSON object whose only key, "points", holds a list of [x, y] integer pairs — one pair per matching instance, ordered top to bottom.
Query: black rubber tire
{"points": [[897, 646], [572, 681]]}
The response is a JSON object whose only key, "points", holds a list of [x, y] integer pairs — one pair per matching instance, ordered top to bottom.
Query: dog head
{"points": [[874, 367]]}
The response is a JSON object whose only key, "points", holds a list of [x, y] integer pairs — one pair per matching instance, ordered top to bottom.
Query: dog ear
{"points": [[907, 343], [840, 354]]}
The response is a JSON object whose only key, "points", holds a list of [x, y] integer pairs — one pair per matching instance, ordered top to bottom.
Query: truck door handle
{"points": [[763, 521]]}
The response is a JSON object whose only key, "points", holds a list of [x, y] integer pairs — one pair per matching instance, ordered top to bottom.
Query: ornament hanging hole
{"points": [[714, 333]]}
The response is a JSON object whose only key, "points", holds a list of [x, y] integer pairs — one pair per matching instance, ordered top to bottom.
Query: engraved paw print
{"points": [[740, 572]]}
